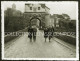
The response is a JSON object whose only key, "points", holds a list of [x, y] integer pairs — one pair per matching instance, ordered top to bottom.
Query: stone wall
{"points": [[39, 16], [47, 20]]}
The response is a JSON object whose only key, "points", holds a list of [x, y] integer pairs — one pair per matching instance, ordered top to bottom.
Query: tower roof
{"points": [[13, 6]]}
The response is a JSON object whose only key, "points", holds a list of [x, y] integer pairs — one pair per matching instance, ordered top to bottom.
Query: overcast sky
{"points": [[60, 7]]}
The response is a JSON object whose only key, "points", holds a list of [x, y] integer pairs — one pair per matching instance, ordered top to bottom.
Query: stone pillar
{"points": [[42, 20], [47, 20], [55, 22]]}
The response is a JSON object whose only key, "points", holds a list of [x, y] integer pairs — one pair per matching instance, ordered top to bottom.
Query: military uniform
{"points": [[30, 30], [50, 32], [34, 33], [45, 33]]}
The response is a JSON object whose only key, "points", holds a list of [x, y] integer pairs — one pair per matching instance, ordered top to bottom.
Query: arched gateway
{"points": [[37, 11], [36, 19]]}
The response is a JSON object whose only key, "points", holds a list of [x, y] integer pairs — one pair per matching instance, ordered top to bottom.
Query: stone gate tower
{"points": [[37, 11]]}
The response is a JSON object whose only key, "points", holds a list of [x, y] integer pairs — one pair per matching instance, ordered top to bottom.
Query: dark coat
{"points": [[30, 30], [50, 31], [34, 32], [46, 33]]}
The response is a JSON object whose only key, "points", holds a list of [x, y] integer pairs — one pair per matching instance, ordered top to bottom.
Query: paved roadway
{"points": [[22, 48]]}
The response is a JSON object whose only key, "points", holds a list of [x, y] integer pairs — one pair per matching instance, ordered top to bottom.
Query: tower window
{"points": [[30, 8], [38, 8]]}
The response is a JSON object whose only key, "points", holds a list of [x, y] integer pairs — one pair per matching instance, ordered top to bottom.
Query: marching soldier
{"points": [[30, 30], [50, 32], [34, 33], [45, 33]]}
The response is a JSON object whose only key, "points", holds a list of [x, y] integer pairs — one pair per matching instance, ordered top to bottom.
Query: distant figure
{"points": [[30, 30], [50, 32], [34, 33], [45, 33]]}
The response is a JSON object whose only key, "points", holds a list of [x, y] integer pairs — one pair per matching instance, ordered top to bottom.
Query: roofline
{"points": [[27, 4], [39, 4], [47, 7], [34, 12]]}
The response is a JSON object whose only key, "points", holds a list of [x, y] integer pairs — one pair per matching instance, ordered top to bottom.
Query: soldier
{"points": [[50, 32], [30, 33], [34, 33], [45, 33]]}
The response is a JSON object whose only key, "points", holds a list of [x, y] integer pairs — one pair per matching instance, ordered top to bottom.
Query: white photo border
{"points": [[77, 33]]}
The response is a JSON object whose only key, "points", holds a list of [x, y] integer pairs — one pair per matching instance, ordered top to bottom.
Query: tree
{"points": [[9, 12], [66, 16], [13, 23]]}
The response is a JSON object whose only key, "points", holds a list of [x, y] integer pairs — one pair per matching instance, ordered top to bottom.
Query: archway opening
{"points": [[35, 22]]}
